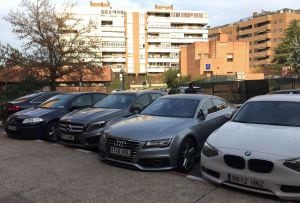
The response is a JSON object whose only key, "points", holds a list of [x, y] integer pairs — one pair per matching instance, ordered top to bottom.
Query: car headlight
{"points": [[32, 120], [96, 126], [158, 143], [209, 151], [293, 164]]}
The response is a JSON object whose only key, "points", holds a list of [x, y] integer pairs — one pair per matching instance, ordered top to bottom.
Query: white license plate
{"points": [[13, 128], [67, 137], [120, 151], [252, 182]]}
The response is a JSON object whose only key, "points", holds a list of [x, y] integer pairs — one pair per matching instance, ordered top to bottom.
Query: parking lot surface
{"points": [[38, 171]]}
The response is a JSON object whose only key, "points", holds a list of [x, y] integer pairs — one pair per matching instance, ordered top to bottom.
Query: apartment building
{"points": [[264, 31], [142, 41], [217, 57]]}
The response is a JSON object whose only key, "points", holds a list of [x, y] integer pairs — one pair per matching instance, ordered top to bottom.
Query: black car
{"points": [[25, 102], [42, 121], [83, 128]]}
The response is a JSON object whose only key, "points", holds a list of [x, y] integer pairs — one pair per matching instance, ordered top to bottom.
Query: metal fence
{"points": [[240, 91]]}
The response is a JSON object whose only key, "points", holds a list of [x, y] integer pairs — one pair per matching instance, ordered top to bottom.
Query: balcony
{"points": [[113, 49], [112, 59], [170, 60]]}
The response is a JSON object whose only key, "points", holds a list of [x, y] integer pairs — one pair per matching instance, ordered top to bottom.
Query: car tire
{"points": [[50, 131], [186, 155]]}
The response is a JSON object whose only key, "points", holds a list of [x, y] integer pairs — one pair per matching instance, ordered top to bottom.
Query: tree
{"points": [[55, 43], [286, 52], [170, 77]]}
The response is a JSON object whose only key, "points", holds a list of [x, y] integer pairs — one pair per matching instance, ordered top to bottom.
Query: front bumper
{"points": [[25, 131], [88, 140], [149, 159], [281, 181]]}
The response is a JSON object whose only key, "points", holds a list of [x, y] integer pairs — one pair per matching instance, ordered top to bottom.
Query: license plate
{"points": [[10, 127], [67, 137], [120, 151], [252, 182]]}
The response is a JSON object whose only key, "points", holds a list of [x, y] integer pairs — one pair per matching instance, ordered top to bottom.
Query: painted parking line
{"points": [[39, 140], [84, 151], [196, 178]]}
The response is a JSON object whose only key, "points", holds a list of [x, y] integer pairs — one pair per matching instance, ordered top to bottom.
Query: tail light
{"points": [[13, 108]]}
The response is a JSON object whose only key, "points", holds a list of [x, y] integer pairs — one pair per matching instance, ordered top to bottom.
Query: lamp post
{"points": [[122, 79]]}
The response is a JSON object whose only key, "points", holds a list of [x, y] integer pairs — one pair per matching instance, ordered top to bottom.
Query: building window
{"points": [[275, 21], [280, 21], [280, 29], [275, 30], [274, 40], [229, 57]]}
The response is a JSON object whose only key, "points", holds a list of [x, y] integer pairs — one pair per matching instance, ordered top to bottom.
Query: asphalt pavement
{"points": [[38, 171]]}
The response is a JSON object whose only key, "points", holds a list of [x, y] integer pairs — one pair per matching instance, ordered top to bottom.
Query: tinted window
{"points": [[154, 96], [26, 97], [98, 97], [43, 98], [83, 100], [58, 101], [116, 101], [142, 102], [220, 104], [208, 106], [172, 107], [270, 112]]}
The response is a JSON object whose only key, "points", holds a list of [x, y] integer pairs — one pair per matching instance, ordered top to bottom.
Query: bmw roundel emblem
{"points": [[248, 153]]}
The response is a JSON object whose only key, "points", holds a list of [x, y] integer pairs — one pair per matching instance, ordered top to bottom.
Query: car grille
{"points": [[71, 128], [130, 144], [234, 161], [256, 165], [260, 166]]}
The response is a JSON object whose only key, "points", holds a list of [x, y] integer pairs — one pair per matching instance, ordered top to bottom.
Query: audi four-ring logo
{"points": [[119, 143]]}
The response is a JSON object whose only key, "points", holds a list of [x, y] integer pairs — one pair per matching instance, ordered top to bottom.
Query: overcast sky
{"points": [[220, 11]]}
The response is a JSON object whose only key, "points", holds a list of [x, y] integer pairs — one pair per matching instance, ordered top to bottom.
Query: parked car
{"points": [[288, 91], [25, 102], [42, 121], [83, 128], [167, 134], [258, 150]]}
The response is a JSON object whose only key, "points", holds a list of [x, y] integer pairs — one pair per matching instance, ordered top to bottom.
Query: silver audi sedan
{"points": [[168, 134], [258, 150]]}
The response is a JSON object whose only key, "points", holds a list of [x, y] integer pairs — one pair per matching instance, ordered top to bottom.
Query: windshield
{"points": [[26, 97], [116, 101], [57, 102], [172, 107], [270, 113]]}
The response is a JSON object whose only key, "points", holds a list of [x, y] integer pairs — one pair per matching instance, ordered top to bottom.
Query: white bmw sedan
{"points": [[259, 149]]}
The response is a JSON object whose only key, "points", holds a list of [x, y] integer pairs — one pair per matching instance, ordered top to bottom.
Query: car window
{"points": [[154, 96], [98, 97], [43, 98], [83, 100], [116, 101], [57, 102], [142, 102], [219, 104], [208, 106], [172, 107], [270, 112]]}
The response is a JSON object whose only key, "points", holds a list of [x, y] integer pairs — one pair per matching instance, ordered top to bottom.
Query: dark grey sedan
{"points": [[168, 134]]}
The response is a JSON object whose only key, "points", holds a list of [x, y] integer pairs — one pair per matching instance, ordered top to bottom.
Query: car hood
{"points": [[35, 112], [90, 115], [144, 128], [269, 139]]}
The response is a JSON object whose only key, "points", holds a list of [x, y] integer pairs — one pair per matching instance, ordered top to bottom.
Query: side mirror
{"points": [[136, 109], [202, 115]]}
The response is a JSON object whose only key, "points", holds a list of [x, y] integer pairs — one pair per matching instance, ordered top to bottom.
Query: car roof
{"points": [[286, 91], [137, 92], [78, 93], [189, 96], [277, 97]]}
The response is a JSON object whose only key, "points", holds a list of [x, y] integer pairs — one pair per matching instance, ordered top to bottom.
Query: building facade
{"points": [[264, 31], [142, 41], [218, 57]]}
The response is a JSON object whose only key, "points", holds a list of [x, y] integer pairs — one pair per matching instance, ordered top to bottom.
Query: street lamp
{"points": [[178, 78]]}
